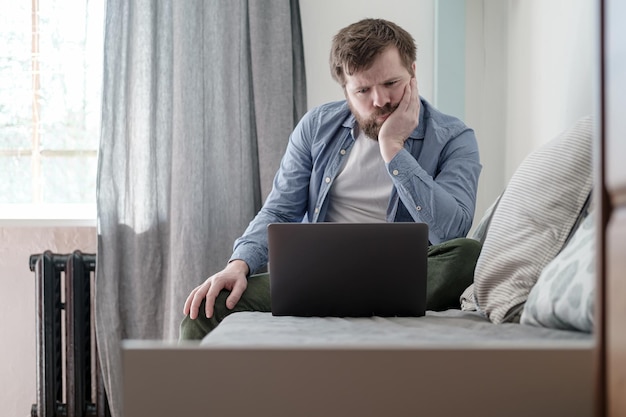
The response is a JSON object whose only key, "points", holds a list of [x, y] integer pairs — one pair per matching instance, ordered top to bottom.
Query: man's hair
{"points": [[355, 47]]}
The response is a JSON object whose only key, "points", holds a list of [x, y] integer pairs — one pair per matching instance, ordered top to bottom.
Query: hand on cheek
{"points": [[399, 125]]}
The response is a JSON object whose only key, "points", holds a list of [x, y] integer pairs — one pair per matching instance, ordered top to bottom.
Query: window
{"points": [[50, 97]]}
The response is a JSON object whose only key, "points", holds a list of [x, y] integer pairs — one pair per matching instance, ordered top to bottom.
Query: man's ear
{"points": [[414, 67]]}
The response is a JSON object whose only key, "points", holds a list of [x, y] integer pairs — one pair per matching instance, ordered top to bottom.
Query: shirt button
{"points": [[343, 151], [395, 172], [327, 180], [418, 208], [317, 210]]}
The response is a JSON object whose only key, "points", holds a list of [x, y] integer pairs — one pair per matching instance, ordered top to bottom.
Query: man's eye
{"points": [[391, 83], [362, 91]]}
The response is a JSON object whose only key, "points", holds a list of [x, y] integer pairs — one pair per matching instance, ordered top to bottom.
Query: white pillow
{"points": [[532, 221], [563, 297]]}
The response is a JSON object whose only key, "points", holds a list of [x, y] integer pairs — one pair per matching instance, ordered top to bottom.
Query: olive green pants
{"points": [[450, 271]]}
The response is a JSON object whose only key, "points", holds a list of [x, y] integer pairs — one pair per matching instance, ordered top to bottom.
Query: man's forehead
{"points": [[386, 67], [369, 79]]}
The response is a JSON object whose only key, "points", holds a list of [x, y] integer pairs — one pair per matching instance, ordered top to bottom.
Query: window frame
{"points": [[48, 215]]}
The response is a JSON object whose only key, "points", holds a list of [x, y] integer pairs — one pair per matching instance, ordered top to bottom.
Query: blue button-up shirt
{"points": [[435, 177]]}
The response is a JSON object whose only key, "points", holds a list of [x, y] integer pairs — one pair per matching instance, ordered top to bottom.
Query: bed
{"points": [[443, 364]]}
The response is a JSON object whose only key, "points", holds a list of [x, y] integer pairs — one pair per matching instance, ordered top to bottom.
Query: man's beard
{"points": [[370, 126]]}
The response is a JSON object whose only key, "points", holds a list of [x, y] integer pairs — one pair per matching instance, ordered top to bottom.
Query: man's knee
{"points": [[461, 248], [467, 249], [451, 267], [193, 329], [196, 329]]}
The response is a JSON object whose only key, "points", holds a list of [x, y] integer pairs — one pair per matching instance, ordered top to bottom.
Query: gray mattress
{"points": [[449, 327]]}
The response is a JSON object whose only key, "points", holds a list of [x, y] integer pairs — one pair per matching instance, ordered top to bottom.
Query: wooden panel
{"points": [[615, 99], [613, 104], [615, 305], [520, 380]]}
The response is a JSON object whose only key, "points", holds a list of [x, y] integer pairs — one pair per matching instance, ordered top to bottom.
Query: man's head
{"points": [[356, 46], [373, 60]]}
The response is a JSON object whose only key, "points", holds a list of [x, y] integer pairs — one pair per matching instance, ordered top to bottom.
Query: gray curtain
{"points": [[199, 98]]}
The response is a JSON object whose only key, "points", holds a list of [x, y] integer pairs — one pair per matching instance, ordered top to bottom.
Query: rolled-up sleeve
{"points": [[445, 197]]}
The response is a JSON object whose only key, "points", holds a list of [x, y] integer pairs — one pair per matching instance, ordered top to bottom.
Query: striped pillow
{"points": [[532, 221]]}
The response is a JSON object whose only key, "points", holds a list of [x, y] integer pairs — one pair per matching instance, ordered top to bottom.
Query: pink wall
{"points": [[17, 306]]}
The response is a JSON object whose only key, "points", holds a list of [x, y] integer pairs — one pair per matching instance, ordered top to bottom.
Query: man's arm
{"points": [[445, 199], [287, 202]]}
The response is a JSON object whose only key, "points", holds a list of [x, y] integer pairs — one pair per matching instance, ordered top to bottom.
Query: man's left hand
{"points": [[398, 126]]}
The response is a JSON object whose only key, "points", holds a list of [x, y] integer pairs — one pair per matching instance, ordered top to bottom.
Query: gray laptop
{"points": [[348, 269]]}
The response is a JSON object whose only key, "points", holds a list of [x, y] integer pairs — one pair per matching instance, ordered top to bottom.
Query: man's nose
{"points": [[380, 97]]}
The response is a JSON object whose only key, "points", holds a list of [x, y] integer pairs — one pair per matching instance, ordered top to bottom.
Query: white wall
{"points": [[551, 49], [530, 74]]}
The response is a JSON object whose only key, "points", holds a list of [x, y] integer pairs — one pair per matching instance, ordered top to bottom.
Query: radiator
{"points": [[69, 381]]}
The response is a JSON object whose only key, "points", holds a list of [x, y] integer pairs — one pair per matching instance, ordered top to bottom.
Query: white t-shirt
{"points": [[361, 190]]}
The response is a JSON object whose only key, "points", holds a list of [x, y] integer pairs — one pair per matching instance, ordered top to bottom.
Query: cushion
{"points": [[532, 221], [480, 232], [563, 297], [467, 300]]}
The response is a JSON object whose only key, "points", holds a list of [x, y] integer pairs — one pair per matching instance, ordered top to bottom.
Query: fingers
{"points": [[412, 96], [415, 96], [410, 99], [413, 104], [403, 105], [233, 280], [235, 294], [211, 295], [194, 300], [192, 304], [187, 306]]}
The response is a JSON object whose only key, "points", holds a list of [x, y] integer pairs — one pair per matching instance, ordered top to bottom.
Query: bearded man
{"points": [[384, 154]]}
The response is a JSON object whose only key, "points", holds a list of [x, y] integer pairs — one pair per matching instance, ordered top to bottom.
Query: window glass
{"points": [[15, 78], [50, 97], [16, 180], [61, 185]]}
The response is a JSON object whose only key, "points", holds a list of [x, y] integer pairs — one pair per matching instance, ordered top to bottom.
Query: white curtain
{"points": [[199, 98]]}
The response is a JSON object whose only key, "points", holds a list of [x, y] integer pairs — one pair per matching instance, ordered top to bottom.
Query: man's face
{"points": [[373, 94]]}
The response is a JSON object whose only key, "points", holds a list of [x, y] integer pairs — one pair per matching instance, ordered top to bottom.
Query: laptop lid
{"points": [[348, 269]]}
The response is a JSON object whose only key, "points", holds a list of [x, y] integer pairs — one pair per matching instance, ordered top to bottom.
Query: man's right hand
{"points": [[232, 278]]}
